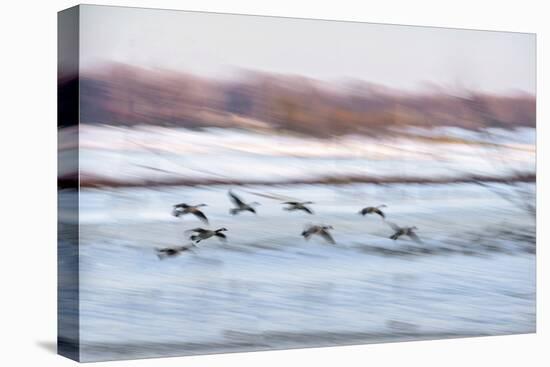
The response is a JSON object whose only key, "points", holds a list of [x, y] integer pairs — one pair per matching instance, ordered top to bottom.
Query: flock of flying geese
{"points": [[200, 234]]}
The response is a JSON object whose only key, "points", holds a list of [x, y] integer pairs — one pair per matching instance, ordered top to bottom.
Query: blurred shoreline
{"points": [[100, 182]]}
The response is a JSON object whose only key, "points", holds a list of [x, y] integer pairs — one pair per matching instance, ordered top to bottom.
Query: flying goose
{"points": [[240, 205], [298, 205], [181, 209], [373, 209], [320, 230], [404, 231], [200, 234], [172, 251]]}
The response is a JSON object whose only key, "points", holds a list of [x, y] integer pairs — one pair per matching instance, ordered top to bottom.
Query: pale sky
{"points": [[219, 45]]}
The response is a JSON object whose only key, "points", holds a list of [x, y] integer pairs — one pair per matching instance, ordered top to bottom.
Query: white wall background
{"points": [[28, 182]]}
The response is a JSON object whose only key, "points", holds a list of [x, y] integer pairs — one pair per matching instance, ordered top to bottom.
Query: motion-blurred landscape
{"points": [[457, 163], [460, 167]]}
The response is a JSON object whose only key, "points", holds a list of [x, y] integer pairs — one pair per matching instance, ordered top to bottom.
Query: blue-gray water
{"points": [[473, 274]]}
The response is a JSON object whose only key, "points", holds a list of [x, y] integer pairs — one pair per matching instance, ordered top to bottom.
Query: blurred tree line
{"points": [[123, 95]]}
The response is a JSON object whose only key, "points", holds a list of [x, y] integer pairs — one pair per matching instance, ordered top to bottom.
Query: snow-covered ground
{"points": [[156, 153]]}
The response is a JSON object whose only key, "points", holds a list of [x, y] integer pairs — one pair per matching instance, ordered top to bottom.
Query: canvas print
{"points": [[235, 183]]}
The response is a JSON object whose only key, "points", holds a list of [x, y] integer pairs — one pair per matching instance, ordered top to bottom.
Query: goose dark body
{"points": [[298, 205], [182, 209], [373, 210], [320, 230], [404, 231], [200, 234], [172, 251]]}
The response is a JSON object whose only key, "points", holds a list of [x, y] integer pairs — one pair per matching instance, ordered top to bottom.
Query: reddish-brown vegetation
{"points": [[123, 95]]}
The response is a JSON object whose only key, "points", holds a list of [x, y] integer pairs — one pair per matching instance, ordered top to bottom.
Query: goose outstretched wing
{"points": [[235, 199], [306, 209], [379, 212], [201, 216], [394, 226], [327, 237], [414, 237]]}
